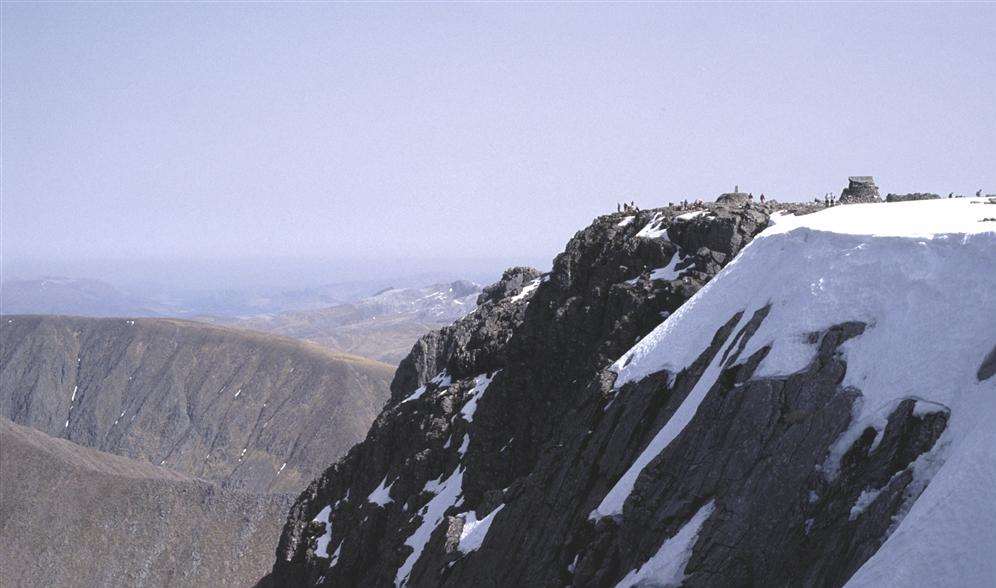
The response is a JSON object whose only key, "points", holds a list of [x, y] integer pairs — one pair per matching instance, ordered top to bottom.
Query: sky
{"points": [[421, 135]]}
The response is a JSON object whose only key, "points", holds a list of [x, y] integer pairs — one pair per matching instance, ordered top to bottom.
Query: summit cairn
{"points": [[859, 189]]}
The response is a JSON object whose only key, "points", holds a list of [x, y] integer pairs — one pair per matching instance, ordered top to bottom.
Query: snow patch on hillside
{"points": [[691, 215], [655, 229], [668, 272], [527, 290], [381, 495], [475, 530], [322, 546], [667, 566]]}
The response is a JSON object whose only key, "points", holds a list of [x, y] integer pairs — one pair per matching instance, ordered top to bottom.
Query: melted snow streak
{"points": [[921, 276], [442, 380], [481, 383], [447, 493], [612, 504], [667, 566]]}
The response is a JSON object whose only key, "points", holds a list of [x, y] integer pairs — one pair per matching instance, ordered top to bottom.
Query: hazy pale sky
{"points": [[374, 131]]}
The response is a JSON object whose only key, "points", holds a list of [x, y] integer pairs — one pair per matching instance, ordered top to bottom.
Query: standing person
{"points": [[978, 193], [762, 197], [826, 202]]}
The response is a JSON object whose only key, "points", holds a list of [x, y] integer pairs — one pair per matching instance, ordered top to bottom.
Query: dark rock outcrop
{"points": [[911, 196], [546, 343], [474, 344], [988, 367], [240, 408]]}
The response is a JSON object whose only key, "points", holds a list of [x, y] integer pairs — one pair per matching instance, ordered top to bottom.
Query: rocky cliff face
{"points": [[539, 345], [254, 411], [537, 443], [75, 516]]}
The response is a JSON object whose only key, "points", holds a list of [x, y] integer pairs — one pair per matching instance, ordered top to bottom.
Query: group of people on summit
{"points": [[828, 201]]}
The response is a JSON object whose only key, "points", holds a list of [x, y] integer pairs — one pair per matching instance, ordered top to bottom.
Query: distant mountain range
{"points": [[82, 297], [90, 297], [96, 297], [340, 317], [382, 327]]}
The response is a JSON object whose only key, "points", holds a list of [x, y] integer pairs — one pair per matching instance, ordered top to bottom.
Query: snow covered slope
{"points": [[922, 276]]}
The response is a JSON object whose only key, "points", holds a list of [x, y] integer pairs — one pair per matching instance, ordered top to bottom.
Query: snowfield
{"points": [[922, 277]]}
